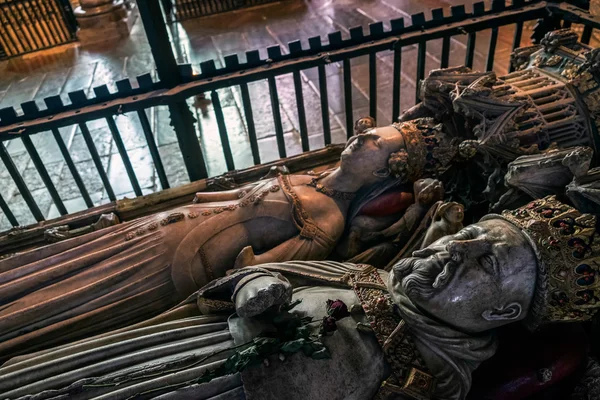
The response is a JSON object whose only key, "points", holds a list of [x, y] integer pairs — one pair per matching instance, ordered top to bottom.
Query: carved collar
{"points": [[410, 376]]}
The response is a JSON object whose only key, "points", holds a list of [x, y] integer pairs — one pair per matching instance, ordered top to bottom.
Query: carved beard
{"points": [[422, 277], [452, 355]]}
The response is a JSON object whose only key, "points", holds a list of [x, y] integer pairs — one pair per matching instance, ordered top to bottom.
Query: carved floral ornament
{"points": [[429, 151]]}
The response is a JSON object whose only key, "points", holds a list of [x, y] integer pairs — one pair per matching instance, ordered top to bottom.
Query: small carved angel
{"points": [[448, 220]]}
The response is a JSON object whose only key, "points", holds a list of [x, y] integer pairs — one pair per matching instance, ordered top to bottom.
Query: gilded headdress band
{"points": [[428, 150], [567, 245]]}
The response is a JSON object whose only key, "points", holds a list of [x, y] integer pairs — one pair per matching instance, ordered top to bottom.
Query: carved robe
{"points": [[133, 271], [161, 358]]}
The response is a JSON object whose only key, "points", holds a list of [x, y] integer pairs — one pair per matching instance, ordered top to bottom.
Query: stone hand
{"points": [[57, 234], [246, 258], [260, 294]]}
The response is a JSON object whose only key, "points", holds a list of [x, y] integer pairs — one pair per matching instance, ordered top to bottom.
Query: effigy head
{"points": [[364, 124], [406, 151], [366, 155], [451, 212], [537, 264], [478, 279]]}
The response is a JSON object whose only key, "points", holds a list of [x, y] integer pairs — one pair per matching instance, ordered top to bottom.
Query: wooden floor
{"points": [[60, 71]]}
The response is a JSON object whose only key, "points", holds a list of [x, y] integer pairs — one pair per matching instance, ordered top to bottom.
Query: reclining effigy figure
{"points": [[123, 274], [416, 332]]}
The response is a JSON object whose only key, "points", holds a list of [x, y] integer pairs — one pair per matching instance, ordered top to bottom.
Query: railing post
{"points": [[168, 9], [69, 16], [553, 21], [182, 118]]}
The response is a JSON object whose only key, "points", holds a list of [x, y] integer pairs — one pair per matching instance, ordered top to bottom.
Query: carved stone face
{"points": [[364, 124], [369, 152], [455, 213], [478, 279]]}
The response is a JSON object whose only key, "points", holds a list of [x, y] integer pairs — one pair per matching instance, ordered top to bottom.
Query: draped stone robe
{"points": [[130, 272], [164, 356], [161, 357]]}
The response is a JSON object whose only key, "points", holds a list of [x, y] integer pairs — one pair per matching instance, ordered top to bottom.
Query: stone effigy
{"points": [[126, 273], [417, 332]]}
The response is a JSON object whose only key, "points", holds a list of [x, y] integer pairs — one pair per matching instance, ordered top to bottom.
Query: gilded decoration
{"points": [[570, 70], [429, 151], [336, 194], [172, 218], [568, 247], [410, 375]]}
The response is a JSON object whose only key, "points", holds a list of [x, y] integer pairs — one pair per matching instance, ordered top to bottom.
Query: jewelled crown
{"points": [[428, 150], [567, 244]]}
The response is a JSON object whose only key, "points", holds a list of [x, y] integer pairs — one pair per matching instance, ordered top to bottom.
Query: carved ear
{"points": [[382, 173], [511, 312]]}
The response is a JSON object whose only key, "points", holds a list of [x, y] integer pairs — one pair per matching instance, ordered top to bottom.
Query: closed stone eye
{"points": [[489, 263]]}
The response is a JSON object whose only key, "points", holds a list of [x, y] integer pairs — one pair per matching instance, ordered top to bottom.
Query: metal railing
{"points": [[179, 10], [31, 25], [135, 97]]}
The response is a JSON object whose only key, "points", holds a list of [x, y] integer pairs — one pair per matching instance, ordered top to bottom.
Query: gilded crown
{"points": [[428, 150], [567, 245]]}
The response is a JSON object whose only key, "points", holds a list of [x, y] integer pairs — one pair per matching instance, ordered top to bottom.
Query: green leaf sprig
{"points": [[291, 333]]}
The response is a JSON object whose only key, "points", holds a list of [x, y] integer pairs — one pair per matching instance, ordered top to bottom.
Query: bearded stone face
{"points": [[478, 279]]}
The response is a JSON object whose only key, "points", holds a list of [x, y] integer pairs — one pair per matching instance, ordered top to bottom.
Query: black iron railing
{"points": [[179, 10], [31, 25], [133, 98]]}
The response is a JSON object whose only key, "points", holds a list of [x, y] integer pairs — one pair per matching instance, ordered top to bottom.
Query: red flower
{"points": [[337, 309]]}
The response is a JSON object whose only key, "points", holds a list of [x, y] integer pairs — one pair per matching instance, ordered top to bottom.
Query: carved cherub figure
{"points": [[364, 124], [447, 221]]}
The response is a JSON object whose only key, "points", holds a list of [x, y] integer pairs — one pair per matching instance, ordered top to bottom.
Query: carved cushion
{"points": [[389, 203], [527, 364]]}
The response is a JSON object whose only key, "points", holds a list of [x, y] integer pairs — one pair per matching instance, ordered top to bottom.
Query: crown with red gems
{"points": [[428, 151], [567, 244]]}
